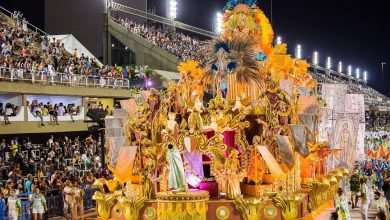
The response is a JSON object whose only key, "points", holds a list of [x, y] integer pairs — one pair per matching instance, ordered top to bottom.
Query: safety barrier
{"points": [[54, 78], [55, 204]]}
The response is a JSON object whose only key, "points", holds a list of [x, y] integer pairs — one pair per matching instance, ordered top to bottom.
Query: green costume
{"points": [[176, 177]]}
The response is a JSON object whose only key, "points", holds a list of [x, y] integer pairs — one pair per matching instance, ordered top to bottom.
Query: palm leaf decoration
{"points": [[235, 56]]}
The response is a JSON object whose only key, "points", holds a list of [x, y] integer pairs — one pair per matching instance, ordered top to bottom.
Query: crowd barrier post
{"points": [[32, 73], [12, 76]]}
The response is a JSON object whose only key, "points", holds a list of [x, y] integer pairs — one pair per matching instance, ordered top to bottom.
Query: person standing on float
{"points": [[176, 178]]}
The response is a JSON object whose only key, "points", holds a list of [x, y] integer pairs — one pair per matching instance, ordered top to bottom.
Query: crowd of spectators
{"points": [[179, 44], [23, 49], [353, 88], [39, 109], [8, 110], [378, 121], [58, 155], [49, 167]]}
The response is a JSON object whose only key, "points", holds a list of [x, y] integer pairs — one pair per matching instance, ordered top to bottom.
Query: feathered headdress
{"points": [[231, 4], [240, 59]]}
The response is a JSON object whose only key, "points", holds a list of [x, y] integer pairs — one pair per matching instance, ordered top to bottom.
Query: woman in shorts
{"points": [[38, 204]]}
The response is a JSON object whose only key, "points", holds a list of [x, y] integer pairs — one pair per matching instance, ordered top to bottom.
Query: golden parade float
{"points": [[250, 152]]}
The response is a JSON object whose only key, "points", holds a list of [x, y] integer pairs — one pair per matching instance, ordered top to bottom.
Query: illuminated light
{"points": [[173, 9], [219, 22], [279, 40], [112, 45], [126, 48], [298, 54], [315, 58], [328, 63], [340, 67], [349, 72], [357, 72], [365, 75], [149, 83]]}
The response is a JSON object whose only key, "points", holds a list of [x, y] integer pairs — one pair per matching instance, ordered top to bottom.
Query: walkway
{"points": [[355, 213]]}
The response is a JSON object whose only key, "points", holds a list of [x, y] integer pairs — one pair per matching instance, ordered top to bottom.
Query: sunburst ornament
{"points": [[270, 211], [222, 213]]}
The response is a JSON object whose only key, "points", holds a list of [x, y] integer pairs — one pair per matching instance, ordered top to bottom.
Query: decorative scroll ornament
{"points": [[104, 203], [250, 209]]}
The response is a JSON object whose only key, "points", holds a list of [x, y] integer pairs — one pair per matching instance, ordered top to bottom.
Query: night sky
{"points": [[355, 32]]}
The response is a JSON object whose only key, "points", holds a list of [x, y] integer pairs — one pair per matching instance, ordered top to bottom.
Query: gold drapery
{"points": [[180, 210]]}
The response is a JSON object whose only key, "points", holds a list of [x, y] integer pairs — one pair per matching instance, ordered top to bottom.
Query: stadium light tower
{"points": [[172, 9], [219, 23], [279, 40], [298, 52], [315, 58], [328, 63], [340, 67], [349, 72], [357, 72], [365, 75]]}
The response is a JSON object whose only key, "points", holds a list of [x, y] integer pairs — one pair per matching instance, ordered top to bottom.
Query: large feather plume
{"points": [[231, 4], [241, 53]]}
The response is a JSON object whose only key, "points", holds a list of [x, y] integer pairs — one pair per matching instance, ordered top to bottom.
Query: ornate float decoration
{"points": [[250, 151]]}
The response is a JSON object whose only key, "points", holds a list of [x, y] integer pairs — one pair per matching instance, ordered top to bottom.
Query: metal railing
{"points": [[166, 21], [54, 78], [55, 204]]}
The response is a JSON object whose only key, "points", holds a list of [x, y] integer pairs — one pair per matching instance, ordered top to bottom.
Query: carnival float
{"points": [[250, 152]]}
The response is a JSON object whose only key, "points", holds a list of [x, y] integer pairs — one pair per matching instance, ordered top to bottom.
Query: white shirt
{"points": [[37, 109], [9, 111], [60, 111]]}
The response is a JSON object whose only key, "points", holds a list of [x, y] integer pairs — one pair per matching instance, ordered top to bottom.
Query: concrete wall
{"points": [[83, 19], [145, 52], [26, 88], [25, 127]]}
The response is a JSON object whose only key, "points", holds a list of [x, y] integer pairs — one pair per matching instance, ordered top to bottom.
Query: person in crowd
{"points": [[61, 110], [8, 112], [38, 114], [53, 114], [14, 149], [88, 179], [28, 183], [386, 185], [355, 188], [365, 194], [68, 197], [78, 200], [38, 204], [341, 204], [14, 205], [381, 205], [3, 207]]}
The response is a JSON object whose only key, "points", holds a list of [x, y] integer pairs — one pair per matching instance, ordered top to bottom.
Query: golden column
{"points": [[190, 205]]}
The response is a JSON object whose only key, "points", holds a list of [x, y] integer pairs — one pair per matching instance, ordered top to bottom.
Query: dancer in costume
{"points": [[176, 178], [341, 203]]}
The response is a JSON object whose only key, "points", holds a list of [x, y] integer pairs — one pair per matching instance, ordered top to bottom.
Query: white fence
{"points": [[54, 78]]}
